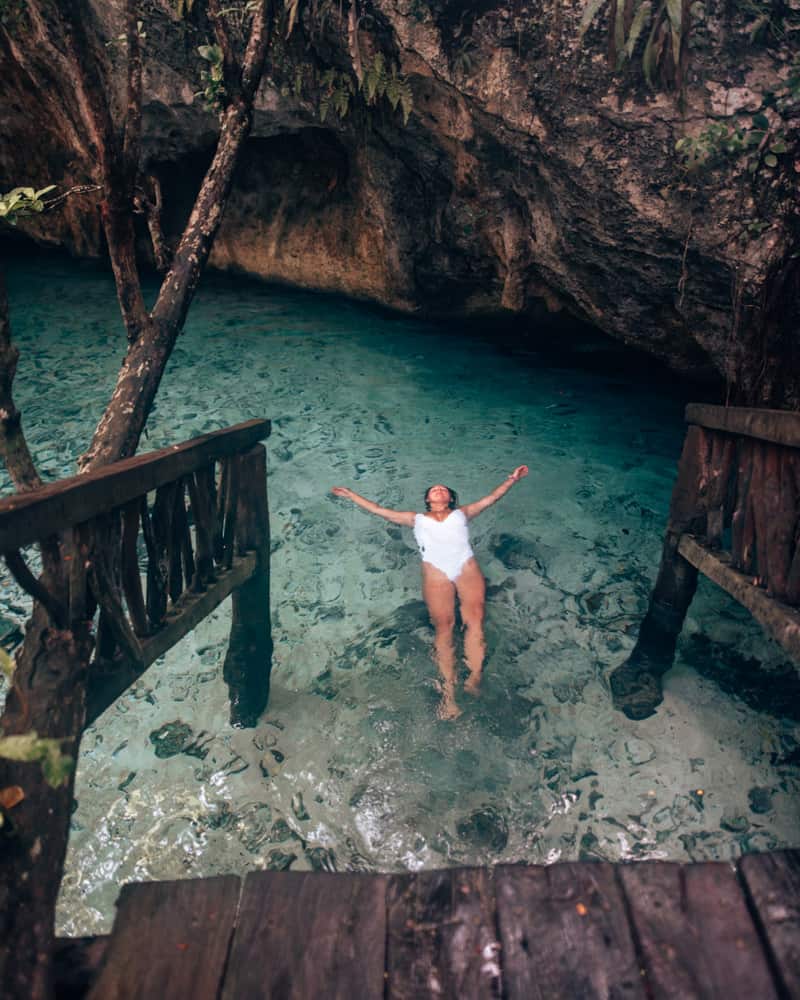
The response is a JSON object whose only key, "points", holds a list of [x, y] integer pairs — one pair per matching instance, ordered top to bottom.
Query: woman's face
{"points": [[438, 494]]}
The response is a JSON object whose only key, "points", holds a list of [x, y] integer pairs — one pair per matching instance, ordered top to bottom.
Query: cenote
{"points": [[349, 768]]}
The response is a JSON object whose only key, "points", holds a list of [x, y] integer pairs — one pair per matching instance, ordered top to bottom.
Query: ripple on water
{"points": [[349, 768]]}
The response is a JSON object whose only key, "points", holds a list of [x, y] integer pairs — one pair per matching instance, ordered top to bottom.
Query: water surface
{"points": [[349, 767]]}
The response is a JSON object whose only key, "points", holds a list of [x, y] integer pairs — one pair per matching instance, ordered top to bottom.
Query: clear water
{"points": [[349, 767]]}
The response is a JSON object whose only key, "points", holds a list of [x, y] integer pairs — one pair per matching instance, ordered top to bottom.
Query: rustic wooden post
{"points": [[249, 659], [636, 684]]}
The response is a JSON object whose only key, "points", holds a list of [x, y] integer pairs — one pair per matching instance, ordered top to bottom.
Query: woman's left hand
{"points": [[519, 473]]}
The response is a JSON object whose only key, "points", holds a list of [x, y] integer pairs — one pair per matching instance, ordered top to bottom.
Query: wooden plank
{"points": [[778, 426], [27, 517], [183, 616], [781, 621], [772, 882], [564, 933], [309, 934], [695, 934], [442, 936], [170, 940], [76, 965]]}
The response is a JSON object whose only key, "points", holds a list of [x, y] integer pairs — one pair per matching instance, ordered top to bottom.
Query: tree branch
{"points": [[256, 51], [230, 64], [132, 135], [13, 446]]}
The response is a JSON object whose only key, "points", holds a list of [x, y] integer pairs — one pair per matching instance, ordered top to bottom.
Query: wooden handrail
{"points": [[777, 426], [27, 517]]}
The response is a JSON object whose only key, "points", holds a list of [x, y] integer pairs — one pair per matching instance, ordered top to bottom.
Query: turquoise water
{"points": [[349, 767]]}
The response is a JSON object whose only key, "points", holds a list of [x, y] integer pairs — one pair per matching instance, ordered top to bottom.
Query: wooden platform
{"points": [[649, 930]]}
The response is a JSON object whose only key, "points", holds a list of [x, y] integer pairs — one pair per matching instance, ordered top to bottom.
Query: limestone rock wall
{"points": [[528, 177]]}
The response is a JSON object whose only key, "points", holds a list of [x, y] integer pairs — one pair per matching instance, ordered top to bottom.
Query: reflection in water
{"points": [[349, 768]]}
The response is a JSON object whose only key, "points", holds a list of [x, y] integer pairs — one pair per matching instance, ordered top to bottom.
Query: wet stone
{"points": [[517, 553], [172, 738], [639, 751], [760, 799], [298, 807], [734, 823], [485, 828], [280, 832], [321, 859], [278, 861]]}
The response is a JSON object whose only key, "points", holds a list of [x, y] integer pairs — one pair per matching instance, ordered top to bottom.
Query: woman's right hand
{"points": [[341, 491]]}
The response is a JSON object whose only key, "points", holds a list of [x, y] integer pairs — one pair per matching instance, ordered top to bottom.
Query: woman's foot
{"points": [[472, 685], [447, 708]]}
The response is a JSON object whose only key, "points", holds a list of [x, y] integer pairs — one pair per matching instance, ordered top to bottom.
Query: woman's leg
{"points": [[471, 588], [439, 595]]}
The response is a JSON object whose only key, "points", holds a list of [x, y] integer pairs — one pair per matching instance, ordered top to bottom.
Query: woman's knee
{"points": [[472, 614], [444, 624]]}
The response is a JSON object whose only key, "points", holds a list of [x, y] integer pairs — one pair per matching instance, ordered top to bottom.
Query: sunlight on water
{"points": [[349, 768]]}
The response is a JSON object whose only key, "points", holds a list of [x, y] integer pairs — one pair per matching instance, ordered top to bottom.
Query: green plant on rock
{"points": [[666, 40], [464, 58], [212, 77], [380, 81], [336, 90], [761, 143], [23, 201]]}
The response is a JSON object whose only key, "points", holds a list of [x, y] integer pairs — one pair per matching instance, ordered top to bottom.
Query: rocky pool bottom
{"points": [[349, 768]]}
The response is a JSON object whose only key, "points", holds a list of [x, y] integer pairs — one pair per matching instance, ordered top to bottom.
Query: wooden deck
{"points": [[649, 930]]}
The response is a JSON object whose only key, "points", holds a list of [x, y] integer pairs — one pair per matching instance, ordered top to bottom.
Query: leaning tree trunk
{"points": [[48, 696]]}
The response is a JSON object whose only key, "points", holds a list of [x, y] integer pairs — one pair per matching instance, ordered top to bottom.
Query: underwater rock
{"points": [[517, 553], [774, 691], [172, 738], [639, 751], [760, 799], [298, 807], [734, 823], [485, 828], [281, 831], [589, 848], [322, 859], [277, 861]]}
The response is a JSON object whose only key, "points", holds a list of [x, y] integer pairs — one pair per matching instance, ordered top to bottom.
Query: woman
{"points": [[448, 568]]}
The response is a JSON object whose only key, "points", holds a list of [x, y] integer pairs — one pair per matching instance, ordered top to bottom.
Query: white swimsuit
{"points": [[444, 544]]}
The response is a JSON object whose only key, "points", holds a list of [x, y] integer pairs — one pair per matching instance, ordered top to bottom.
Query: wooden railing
{"points": [[734, 517], [155, 543]]}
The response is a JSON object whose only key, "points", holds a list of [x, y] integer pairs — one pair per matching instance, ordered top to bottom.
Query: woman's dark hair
{"points": [[453, 498]]}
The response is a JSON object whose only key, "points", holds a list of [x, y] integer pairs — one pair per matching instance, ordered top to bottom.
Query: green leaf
{"points": [[293, 6], [589, 14], [675, 15], [639, 21], [619, 30], [760, 120], [778, 147], [771, 160], [45, 190], [7, 665], [56, 766]]}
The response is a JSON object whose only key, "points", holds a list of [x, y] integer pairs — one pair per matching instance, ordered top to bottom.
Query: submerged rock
{"points": [[517, 553], [172, 738], [760, 799], [485, 829], [277, 861]]}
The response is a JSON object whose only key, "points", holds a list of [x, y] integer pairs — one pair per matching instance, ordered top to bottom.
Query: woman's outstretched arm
{"points": [[473, 509], [405, 517]]}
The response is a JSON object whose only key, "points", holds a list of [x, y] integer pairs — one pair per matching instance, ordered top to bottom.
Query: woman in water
{"points": [[448, 568]]}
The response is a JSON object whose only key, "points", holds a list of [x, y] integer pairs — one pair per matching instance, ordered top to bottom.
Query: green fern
{"points": [[666, 40]]}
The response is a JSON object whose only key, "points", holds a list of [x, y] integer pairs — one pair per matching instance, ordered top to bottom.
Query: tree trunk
{"points": [[49, 692]]}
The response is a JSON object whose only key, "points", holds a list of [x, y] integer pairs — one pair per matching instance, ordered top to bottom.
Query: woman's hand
{"points": [[519, 473], [342, 491]]}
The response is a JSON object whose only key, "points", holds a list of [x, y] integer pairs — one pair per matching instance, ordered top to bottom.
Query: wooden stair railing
{"points": [[734, 517], [192, 557]]}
